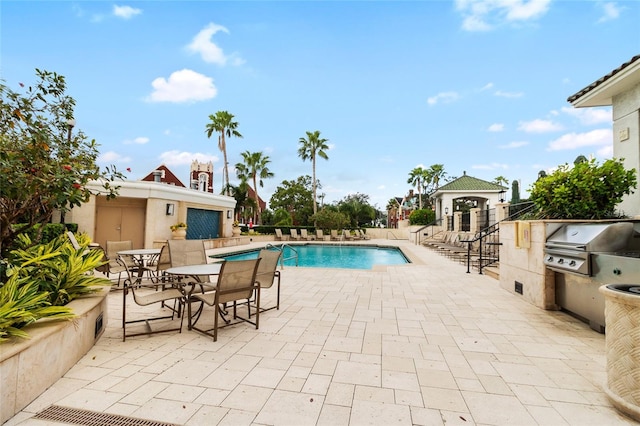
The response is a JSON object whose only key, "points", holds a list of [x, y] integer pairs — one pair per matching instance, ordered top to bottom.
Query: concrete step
{"points": [[492, 271]]}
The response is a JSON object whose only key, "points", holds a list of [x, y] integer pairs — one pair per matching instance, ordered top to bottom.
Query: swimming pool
{"points": [[332, 256]]}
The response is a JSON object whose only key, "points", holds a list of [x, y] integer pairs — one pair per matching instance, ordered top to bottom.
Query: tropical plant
{"points": [[222, 123], [311, 147], [44, 166], [255, 167], [436, 174], [417, 177], [585, 191], [515, 192], [357, 209], [328, 218], [58, 268], [23, 303]]}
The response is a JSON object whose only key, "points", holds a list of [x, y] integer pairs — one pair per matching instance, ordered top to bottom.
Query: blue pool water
{"points": [[333, 256]]}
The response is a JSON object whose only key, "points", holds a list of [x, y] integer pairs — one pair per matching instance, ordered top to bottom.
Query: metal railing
{"points": [[488, 239], [281, 248]]}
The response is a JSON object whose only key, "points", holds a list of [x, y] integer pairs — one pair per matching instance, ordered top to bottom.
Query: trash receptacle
{"points": [[622, 342]]}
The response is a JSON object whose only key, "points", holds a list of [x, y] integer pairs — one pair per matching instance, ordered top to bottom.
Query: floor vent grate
{"points": [[92, 418]]}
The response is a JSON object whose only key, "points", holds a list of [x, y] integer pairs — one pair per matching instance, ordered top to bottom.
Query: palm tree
{"points": [[222, 122], [310, 148], [256, 168], [435, 173], [417, 178], [501, 180]]}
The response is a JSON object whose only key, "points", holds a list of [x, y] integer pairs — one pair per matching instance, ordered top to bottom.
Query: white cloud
{"points": [[611, 11], [125, 12], [484, 15], [208, 50], [183, 86], [486, 87], [503, 94], [444, 97], [590, 116], [539, 126], [496, 127], [600, 137], [141, 140], [514, 144], [605, 151], [112, 157], [177, 158]]}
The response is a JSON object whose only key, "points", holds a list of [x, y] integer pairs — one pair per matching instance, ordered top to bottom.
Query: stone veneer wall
{"points": [[525, 265], [28, 367]]}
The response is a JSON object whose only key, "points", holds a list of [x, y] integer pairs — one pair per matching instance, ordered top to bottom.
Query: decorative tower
{"points": [[202, 176]]}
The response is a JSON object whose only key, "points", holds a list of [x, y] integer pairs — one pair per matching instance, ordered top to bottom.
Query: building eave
{"points": [[602, 91]]}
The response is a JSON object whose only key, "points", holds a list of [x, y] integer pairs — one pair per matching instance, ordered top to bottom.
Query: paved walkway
{"points": [[421, 344]]}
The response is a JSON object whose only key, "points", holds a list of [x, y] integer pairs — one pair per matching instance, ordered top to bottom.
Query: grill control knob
{"points": [[550, 259], [560, 261], [572, 263], [616, 271]]}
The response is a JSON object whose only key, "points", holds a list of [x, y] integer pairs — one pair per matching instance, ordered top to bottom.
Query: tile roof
{"points": [[601, 80], [470, 183]]}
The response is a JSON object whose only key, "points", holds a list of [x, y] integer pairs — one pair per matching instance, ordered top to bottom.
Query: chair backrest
{"points": [[278, 233], [294, 233], [303, 233], [334, 233], [319, 234], [113, 247], [187, 252], [164, 259], [267, 268], [236, 280]]}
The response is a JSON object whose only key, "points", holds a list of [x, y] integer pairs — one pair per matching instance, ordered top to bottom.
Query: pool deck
{"points": [[418, 344]]}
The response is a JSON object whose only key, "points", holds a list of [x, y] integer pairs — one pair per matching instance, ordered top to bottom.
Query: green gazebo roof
{"points": [[470, 183]]}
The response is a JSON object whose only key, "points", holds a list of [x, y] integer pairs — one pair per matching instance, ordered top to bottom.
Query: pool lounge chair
{"points": [[294, 234], [346, 234], [319, 235], [334, 235], [363, 235], [279, 236], [305, 236]]}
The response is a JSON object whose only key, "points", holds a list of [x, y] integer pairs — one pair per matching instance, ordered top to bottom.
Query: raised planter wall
{"points": [[28, 367]]}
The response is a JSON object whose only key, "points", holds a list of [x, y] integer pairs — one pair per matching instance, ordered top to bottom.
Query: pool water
{"points": [[334, 256]]}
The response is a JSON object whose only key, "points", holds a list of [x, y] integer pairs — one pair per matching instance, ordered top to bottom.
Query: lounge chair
{"points": [[294, 234], [346, 234], [319, 235], [334, 235], [363, 235], [279, 236], [305, 236], [236, 282]]}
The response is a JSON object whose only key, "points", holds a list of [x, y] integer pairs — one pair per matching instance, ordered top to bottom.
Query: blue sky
{"points": [[478, 86]]}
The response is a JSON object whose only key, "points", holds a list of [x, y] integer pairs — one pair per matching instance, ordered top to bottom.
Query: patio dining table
{"points": [[142, 258]]}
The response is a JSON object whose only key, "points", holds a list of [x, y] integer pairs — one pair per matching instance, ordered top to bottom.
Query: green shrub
{"points": [[584, 191], [422, 217]]}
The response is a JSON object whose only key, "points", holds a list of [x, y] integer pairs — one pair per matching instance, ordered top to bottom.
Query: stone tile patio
{"points": [[420, 344]]}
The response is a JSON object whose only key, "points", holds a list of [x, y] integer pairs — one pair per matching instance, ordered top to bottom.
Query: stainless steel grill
{"points": [[586, 256]]}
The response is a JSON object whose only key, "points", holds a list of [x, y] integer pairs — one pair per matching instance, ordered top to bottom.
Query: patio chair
{"points": [[294, 234], [346, 234], [319, 235], [334, 235], [363, 235], [279, 236], [305, 236], [112, 249], [188, 252], [160, 264], [268, 273], [236, 282], [146, 294]]}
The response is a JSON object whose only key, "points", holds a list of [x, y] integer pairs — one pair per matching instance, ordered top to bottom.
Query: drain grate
{"points": [[77, 416]]}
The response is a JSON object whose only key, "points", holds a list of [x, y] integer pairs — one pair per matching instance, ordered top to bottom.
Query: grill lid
{"points": [[600, 237]]}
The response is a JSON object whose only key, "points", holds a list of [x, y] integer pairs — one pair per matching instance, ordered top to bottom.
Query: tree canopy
{"points": [[44, 166]]}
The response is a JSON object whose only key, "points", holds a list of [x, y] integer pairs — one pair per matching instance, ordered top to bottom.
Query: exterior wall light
{"points": [[170, 209]]}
